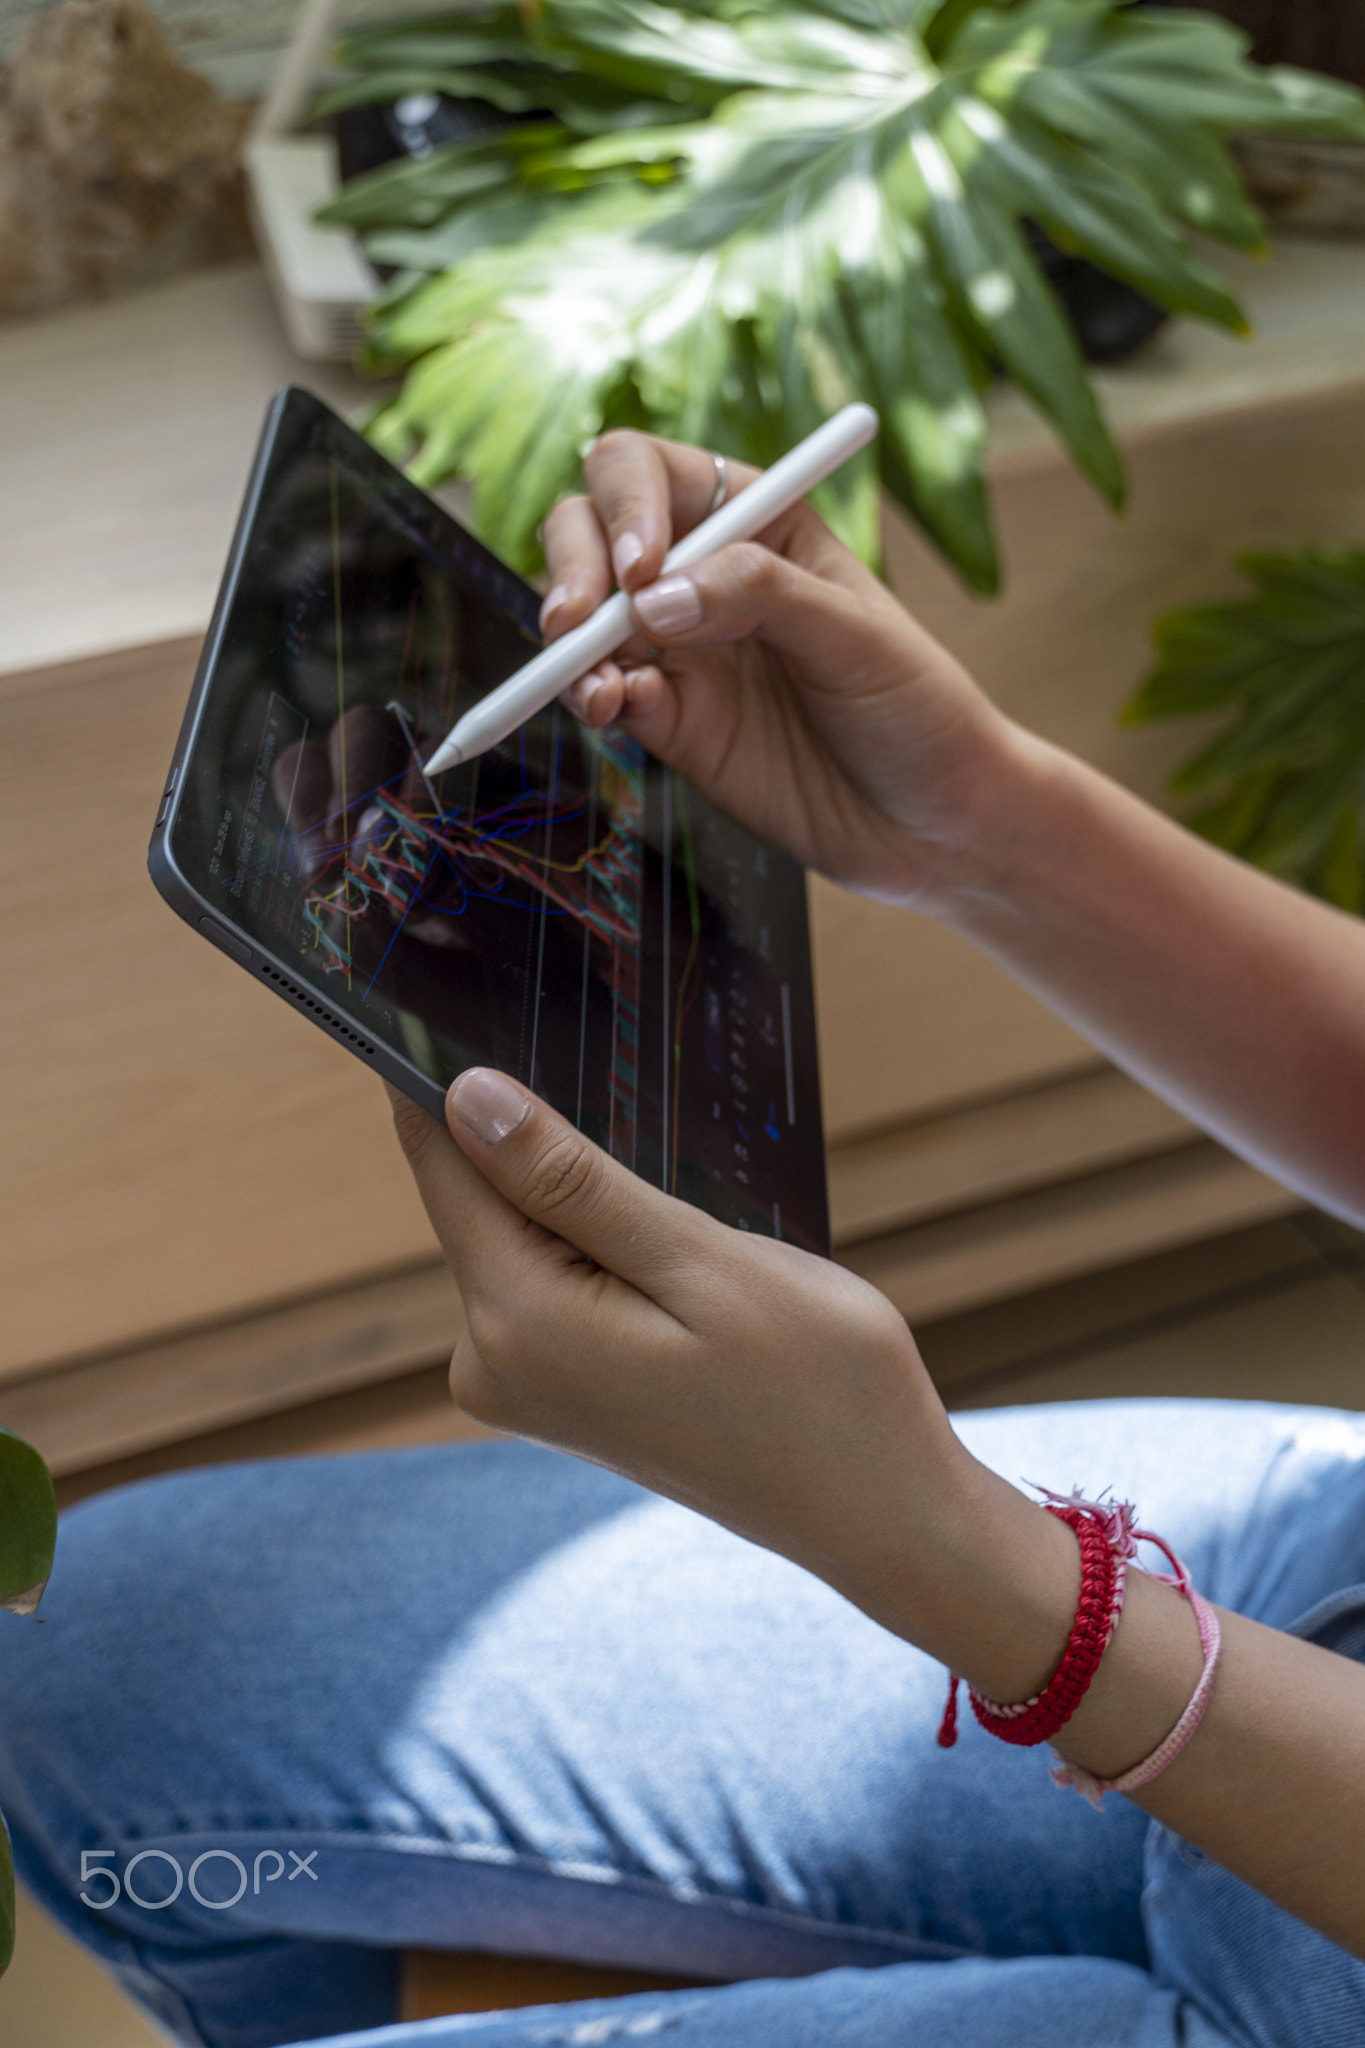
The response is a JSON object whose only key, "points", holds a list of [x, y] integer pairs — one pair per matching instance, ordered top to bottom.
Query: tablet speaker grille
{"points": [[316, 1009]]}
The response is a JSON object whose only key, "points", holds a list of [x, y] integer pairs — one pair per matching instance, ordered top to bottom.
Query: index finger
{"points": [[648, 492]]}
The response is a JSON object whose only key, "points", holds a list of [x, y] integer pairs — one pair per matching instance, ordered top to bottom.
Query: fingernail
{"points": [[625, 554], [555, 601], [672, 605], [588, 691], [488, 1104]]}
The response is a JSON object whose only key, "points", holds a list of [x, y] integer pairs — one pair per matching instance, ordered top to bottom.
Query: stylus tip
{"points": [[446, 756]]}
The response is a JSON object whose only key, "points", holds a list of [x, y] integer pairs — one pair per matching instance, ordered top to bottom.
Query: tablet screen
{"points": [[564, 908]]}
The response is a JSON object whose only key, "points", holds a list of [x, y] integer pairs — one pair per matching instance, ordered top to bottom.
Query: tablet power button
{"points": [[236, 949]]}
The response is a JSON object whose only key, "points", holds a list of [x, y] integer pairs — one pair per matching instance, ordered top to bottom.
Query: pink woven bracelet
{"points": [[1165, 1753]]}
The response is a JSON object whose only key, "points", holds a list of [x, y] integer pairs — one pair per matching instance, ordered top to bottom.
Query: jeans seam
{"points": [[437, 1849]]}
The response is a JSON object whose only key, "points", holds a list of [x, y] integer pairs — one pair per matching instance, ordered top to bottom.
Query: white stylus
{"points": [[755, 507]]}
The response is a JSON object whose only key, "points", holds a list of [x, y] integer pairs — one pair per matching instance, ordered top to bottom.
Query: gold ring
{"points": [[718, 496]]}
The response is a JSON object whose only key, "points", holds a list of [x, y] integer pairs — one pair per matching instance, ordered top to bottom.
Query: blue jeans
{"points": [[298, 1715]]}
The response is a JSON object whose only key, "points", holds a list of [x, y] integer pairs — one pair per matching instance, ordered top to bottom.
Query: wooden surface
{"points": [[1304, 301], [126, 433], [913, 1020], [1014, 1142], [179, 1148], [997, 1249], [372, 1335], [119, 1402], [435, 1983]]}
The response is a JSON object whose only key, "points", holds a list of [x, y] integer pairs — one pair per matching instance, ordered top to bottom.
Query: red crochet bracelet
{"points": [[1105, 1535]]}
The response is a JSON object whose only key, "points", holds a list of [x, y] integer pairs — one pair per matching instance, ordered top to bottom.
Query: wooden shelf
{"points": [[1303, 299], [127, 430], [1078, 1225], [89, 1410]]}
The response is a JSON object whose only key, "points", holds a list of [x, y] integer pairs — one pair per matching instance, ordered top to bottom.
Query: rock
{"points": [[117, 164]]}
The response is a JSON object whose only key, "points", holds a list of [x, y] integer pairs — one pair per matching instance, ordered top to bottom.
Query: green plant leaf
{"points": [[482, 35], [581, 104], [822, 199], [1287, 772], [28, 1524], [28, 1534]]}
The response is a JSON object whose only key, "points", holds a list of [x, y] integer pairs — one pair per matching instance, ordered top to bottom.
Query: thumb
{"points": [[559, 1179]]}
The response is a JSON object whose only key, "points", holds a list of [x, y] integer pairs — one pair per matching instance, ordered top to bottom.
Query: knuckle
{"points": [[611, 447], [621, 475], [563, 513], [805, 522], [756, 569], [743, 581], [561, 1177], [878, 1322], [490, 1333], [472, 1386]]}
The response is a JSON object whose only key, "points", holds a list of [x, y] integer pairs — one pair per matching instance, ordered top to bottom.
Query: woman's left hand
{"points": [[763, 1386], [769, 1389]]}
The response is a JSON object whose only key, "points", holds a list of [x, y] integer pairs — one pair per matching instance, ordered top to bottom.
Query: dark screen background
{"points": [[564, 908]]}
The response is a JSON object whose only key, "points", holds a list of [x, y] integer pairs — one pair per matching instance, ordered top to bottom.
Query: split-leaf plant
{"points": [[723, 219], [1283, 779], [28, 1531]]}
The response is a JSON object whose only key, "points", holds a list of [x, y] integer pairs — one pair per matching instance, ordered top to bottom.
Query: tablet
{"points": [[564, 908]]}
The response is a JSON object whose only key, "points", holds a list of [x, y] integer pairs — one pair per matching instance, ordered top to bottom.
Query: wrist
{"points": [[978, 860], [948, 1555], [972, 1572], [1010, 1590], [1018, 1601], [1143, 1684]]}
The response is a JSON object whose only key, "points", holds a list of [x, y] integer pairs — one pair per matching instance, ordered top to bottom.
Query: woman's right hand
{"points": [[779, 676]]}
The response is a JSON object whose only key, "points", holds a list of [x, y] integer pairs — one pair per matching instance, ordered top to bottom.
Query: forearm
{"points": [[1233, 996], [1271, 1785]]}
